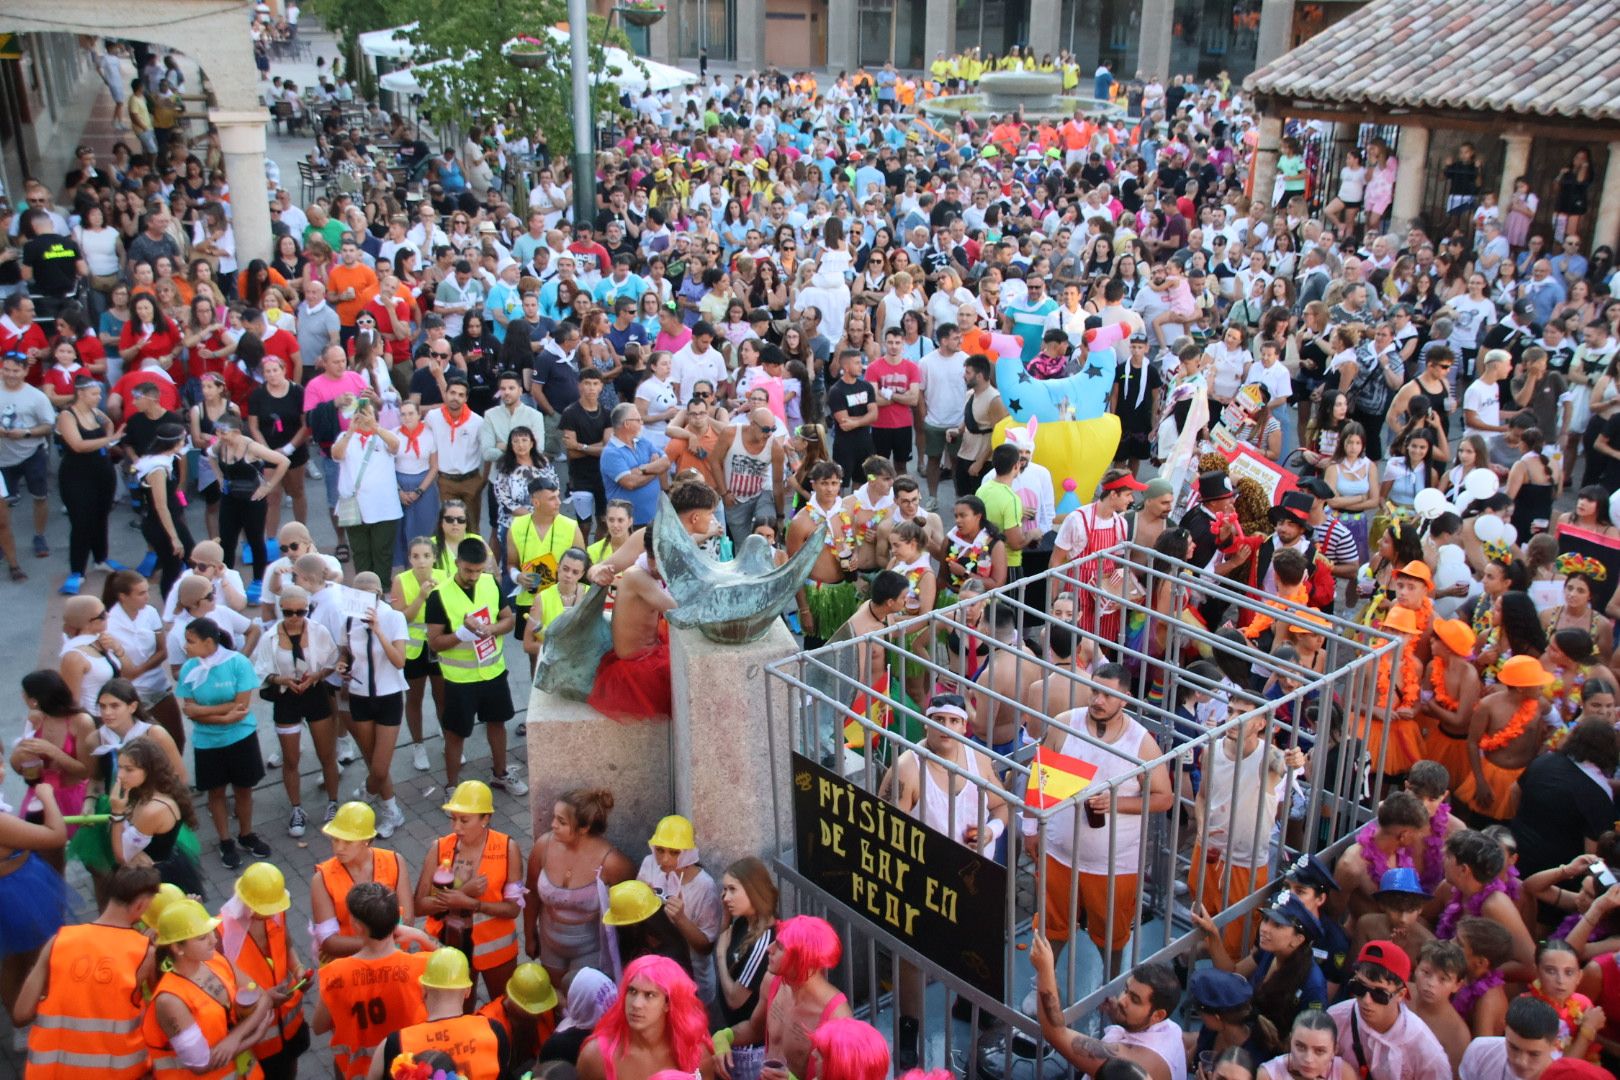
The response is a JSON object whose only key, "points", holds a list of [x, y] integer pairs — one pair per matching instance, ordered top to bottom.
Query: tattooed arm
{"points": [[1081, 1051]]}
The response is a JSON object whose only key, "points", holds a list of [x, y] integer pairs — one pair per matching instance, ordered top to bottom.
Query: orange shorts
{"points": [[1405, 743], [1450, 751], [1497, 803], [1244, 881], [1093, 905]]}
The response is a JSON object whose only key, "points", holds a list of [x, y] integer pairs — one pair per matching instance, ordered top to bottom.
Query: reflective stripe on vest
{"points": [[409, 588], [461, 664], [494, 939], [270, 970], [211, 1018], [89, 1021]]}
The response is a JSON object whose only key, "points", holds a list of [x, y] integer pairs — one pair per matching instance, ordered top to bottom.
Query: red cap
{"points": [[1125, 483], [1389, 956]]}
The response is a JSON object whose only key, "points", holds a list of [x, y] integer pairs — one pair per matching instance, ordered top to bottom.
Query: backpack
{"points": [[1369, 393], [1322, 587]]}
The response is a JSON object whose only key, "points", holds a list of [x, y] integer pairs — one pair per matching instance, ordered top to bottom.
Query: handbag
{"points": [[348, 506]]}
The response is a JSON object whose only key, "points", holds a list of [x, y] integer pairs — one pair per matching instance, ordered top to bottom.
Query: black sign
{"points": [[938, 896]]}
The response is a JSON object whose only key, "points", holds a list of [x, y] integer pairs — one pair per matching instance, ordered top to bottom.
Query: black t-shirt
{"points": [[944, 212], [54, 261], [423, 383], [854, 398], [279, 418], [140, 432], [585, 473], [1609, 474], [433, 610], [1560, 809], [503, 1052]]}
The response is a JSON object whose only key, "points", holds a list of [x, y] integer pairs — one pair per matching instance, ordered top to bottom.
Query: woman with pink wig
{"points": [[799, 999], [656, 1024], [847, 1049]]}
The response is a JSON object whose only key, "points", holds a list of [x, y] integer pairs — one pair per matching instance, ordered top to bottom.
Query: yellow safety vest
{"points": [[540, 554], [409, 587], [461, 664]]}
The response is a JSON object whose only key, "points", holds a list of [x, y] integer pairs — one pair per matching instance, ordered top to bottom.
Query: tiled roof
{"points": [[1538, 58]]}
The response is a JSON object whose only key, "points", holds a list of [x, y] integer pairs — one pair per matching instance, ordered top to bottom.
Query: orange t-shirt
{"points": [[359, 277]]}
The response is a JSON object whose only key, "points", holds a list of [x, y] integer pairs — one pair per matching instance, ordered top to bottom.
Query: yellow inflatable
{"points": [[1075, 452]]}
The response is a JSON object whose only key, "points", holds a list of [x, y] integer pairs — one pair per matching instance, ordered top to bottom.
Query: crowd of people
{"points": [[786, 314]]}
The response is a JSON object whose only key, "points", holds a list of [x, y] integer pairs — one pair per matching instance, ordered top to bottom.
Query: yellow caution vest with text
{"points": [[540, 554], [410, 588], [461, 664]]}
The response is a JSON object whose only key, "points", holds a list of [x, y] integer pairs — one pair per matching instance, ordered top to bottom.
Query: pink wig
{"points": [[809, 945], [686, 1026], [849, 1049], [928, 1074]]}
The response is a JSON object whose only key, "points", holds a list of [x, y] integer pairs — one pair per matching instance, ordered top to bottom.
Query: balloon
{"points": [[1075, 452], [1481, 484], [1430, 503], [1489, 529], [1510, 533]]}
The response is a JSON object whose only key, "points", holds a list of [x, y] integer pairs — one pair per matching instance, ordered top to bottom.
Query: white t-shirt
{"points": [[1473, 317], [688, 367], [1274, 378], [944, 392], [1484, 400], [279, 574], [173, 599], [229, 621], [139, 637], [389, 679], [701, 898], [1486, 1059]]}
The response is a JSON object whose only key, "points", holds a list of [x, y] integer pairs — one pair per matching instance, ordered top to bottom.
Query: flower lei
{"points": [[970, 558], [1504, 654], [1437, 683], [1410, 687], [1523, 716], [1434, 848], [1371, 854], [1446, 929], [1468, 996], [1570, 1011], [406, 1067]]}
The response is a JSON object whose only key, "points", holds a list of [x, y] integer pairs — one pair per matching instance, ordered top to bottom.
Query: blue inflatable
{"points": [[1082, 396]]}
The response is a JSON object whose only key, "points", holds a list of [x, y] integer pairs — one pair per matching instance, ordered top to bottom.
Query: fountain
{"points": [[1038, 93]]}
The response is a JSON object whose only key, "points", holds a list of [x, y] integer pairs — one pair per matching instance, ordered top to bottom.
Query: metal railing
{"points": [[1000, 659]]}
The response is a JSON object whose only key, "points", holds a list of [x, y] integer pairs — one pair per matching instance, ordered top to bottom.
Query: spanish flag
{"points": [[874, 706], [1054, 777]]}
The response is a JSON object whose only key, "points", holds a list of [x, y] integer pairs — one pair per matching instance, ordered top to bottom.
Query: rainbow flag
{"points": [[874, 706], [1054, 777]]}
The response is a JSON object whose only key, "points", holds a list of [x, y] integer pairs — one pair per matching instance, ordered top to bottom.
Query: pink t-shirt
{"points": [[671, 343], [893, 379], [320, 390]]}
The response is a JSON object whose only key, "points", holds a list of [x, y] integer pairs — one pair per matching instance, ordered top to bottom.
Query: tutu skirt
{"points": [[635, 688], [34, 904]]}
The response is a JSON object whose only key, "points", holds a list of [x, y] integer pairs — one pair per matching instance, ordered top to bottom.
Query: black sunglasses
{"points": [[453, 520], [293, 612], [1377, 993]]}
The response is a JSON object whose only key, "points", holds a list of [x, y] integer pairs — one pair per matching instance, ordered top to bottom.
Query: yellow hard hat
{"points": [[471, 797], [353, 821], [673, 832], [262, 888], [167, 893], [630, 902], [183, 920], [446, 970], [530, 989]]}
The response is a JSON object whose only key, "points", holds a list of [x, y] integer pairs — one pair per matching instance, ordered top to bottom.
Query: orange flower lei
{"points": [[1437, 683], [1410, 687], [1523, 716]]}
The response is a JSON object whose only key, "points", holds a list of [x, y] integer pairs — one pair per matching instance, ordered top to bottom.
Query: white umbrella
{"points": [[390, 44], [625, 71], [404, 80]]}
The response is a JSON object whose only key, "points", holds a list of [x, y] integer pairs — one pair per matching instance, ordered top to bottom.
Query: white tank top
{"points": [[747, 473], [1255, 796], [935, 805], [1091, 856], [1163, 1038]]}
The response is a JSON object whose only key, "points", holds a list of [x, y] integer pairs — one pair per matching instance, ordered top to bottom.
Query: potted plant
{"points": [[641, 12], [528, 52]]}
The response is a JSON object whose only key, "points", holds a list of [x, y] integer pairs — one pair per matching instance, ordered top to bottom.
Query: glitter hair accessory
{"points": [[1576, 563]]}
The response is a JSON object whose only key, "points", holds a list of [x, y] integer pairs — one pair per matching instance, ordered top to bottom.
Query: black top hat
{"points": [[1214, 485], [1296, 505]]}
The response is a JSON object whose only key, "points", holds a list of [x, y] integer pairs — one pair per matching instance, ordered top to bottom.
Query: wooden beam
{"points": [[1459, 120]]}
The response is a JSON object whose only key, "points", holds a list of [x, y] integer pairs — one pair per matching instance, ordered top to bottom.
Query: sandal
{"points": [[341, 553]]}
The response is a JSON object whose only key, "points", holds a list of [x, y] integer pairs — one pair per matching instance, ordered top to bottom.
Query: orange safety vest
{"points": [[385, 870], [494, 940], [271, 971], [369, 1000], [213, 1020], [89, 1022], [535, 1030], [469, 1040]]}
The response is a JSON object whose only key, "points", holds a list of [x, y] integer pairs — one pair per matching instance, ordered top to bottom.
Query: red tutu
{"points": [[630, 689]]}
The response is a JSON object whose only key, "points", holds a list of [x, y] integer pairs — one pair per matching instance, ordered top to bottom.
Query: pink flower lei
{"points": [[1434, 848], [1377, 862], [1447, 927], [1469, 994]]}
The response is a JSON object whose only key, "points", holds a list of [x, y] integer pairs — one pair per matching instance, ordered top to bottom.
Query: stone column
{"points": [[842, 22], [1045, 25], [1276, 31], [940, 33], [750, 34], [1153, 47], [241, 137], [1413, 155], [1515, 161], [1264, 169], [1607, 227], [729, 755]]}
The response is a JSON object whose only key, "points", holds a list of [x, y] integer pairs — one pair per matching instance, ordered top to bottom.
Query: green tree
{"points": [[348, 19], [464, 71]]}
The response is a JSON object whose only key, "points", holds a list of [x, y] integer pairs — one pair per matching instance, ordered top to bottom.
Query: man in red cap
{"points": [[1096, 527], [1378, 1034]]}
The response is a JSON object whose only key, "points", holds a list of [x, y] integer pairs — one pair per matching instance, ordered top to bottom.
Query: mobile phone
{"points": [[1603, 875]]}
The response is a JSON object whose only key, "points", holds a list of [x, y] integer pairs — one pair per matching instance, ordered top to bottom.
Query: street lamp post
{"points": [[579, 29]]}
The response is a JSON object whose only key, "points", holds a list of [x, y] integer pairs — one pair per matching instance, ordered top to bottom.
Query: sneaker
{"points": [[313, 469], [42, 550], [147, 565], [111, 566], [72, 585], [254, 589], [522, 730], [347, 751], [419, 758], [272, 760], [510, 782], [331, 810], [389, 821], [296, 823], [254, 846], [229, 855]]}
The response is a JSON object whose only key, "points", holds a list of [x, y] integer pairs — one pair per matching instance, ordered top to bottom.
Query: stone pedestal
{"points": [[571, 745], [725, 759]]}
